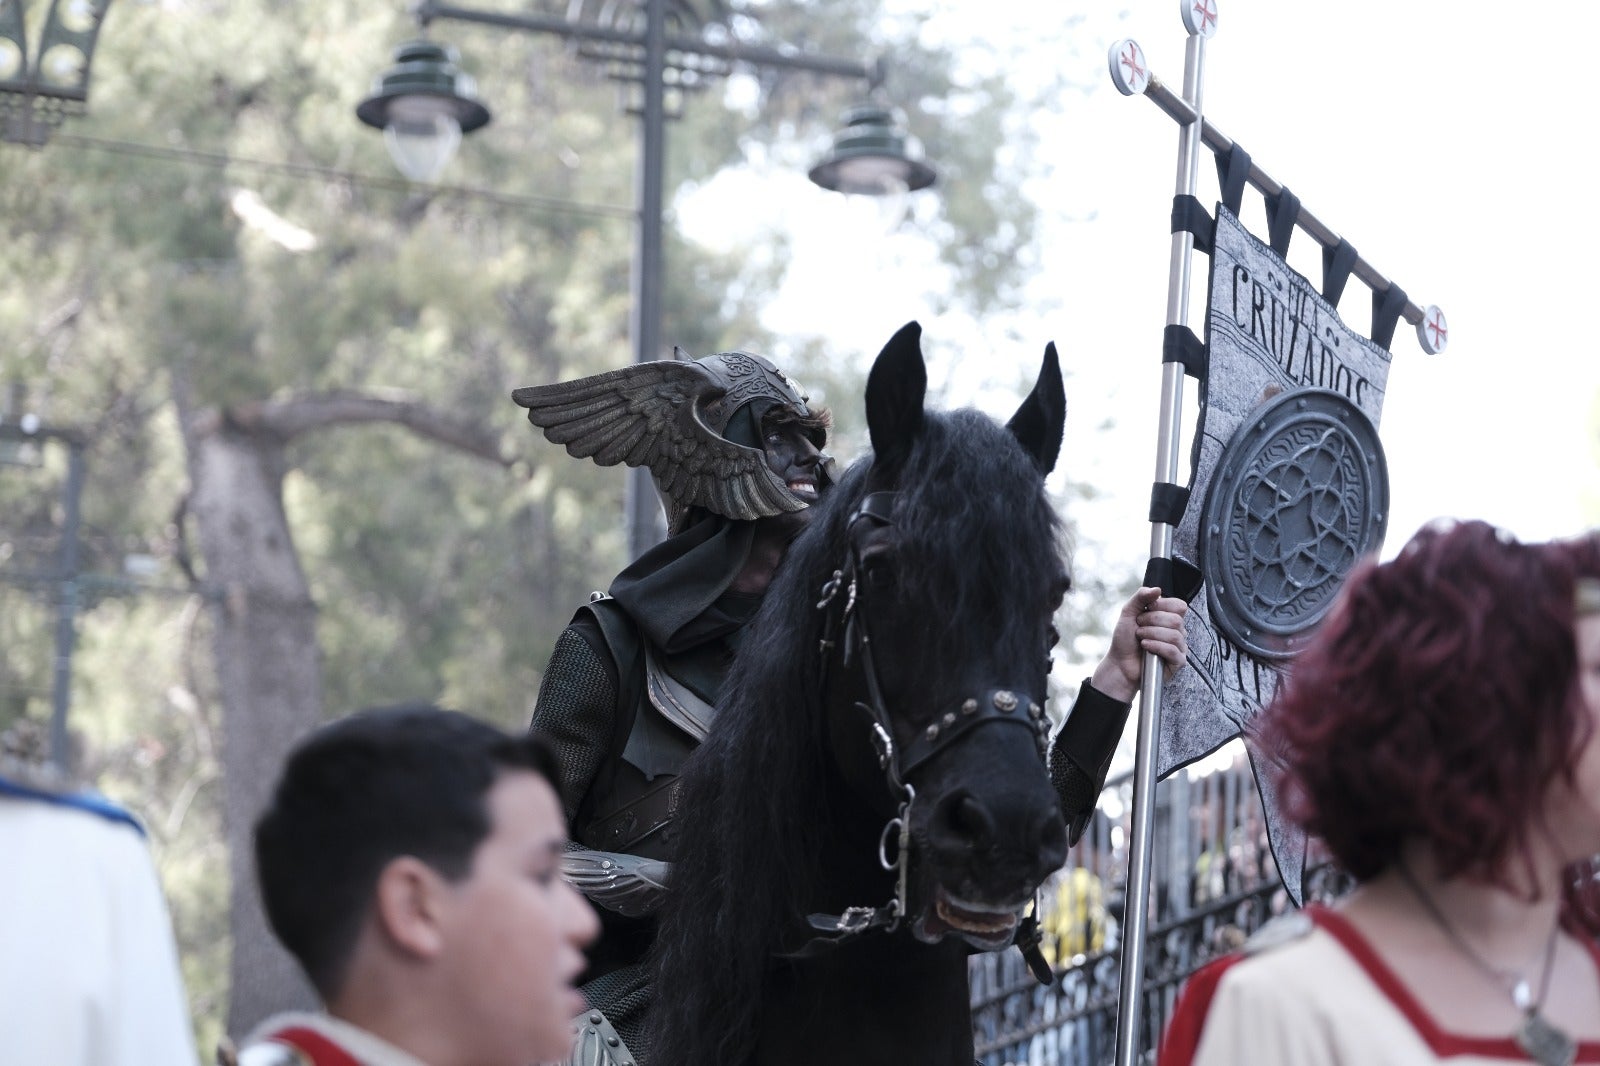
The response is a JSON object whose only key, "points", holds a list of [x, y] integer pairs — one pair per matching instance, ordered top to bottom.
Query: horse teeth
{"points": [[974, 918], [970, 922]]}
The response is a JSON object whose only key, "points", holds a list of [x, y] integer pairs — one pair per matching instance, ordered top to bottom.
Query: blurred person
{"points": [[1439, 735], [410, 861], [1075, 926], [1078, 927], [88, 967]]}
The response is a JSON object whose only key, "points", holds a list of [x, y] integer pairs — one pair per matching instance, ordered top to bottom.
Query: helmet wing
{"points": [[651, 415]]}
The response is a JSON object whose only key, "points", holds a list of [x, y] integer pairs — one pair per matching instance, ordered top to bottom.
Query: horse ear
{"points": [[896, 389], [1042, 418]]}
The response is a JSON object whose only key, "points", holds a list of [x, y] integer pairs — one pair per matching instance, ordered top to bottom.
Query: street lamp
{"points": [[39, 90], [423, 104], [869, 157], [872, 157]]}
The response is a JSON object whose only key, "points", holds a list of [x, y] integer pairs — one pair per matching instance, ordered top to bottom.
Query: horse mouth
{"points": [[984, 927]]}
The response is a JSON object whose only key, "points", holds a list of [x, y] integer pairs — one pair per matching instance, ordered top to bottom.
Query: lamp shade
{"points": [[423, 104], [871, 156]]}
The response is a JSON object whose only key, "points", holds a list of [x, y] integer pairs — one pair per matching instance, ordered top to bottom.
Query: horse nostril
{"points": [[962, 819], [1052, 838]]}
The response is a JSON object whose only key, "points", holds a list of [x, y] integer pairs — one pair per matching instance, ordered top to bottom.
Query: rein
{"points": [[845, 601]]}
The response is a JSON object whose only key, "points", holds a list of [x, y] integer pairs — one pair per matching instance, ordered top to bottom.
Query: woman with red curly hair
{"points": [[1441, 735]]}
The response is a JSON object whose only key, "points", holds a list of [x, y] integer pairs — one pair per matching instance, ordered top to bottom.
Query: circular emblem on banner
{"points": [[1300, 494]]}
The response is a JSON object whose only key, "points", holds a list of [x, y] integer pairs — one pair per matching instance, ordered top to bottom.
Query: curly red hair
{"points": [[1438, 701]]}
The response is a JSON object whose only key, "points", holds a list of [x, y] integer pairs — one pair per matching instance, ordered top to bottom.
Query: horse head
{"points": [[940, 629], [879, 738]]}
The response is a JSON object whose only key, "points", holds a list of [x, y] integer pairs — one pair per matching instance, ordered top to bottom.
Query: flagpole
{"points": [[1199, 18], [1132, 76]]}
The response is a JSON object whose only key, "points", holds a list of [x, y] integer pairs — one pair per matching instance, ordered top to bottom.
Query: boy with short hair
{"points": [[410, 861]]}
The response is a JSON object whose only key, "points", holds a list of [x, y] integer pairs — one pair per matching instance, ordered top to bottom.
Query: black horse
{"points": [[877, 755]]}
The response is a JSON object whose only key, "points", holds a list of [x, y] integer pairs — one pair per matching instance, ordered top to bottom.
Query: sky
{"points": [[1446, 142]]}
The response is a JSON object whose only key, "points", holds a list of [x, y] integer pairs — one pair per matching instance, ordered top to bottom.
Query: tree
{"points": [[216, 262], [267, 657]]}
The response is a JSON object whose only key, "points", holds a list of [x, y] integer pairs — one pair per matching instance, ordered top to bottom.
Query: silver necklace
{"points": [[1544, 1043]]}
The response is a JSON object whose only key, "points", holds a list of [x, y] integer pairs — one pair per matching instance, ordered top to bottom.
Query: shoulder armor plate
{"points": [[595, 1042]]}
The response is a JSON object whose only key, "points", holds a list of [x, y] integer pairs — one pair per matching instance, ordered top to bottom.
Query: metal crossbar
{"points": [[1221, 144]]}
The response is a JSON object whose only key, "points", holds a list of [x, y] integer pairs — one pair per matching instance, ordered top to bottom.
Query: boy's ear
{"points": [[408, 907]]}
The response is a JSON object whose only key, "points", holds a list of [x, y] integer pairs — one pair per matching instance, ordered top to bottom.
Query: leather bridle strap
{"points": [[876, 511], [995, 705]]}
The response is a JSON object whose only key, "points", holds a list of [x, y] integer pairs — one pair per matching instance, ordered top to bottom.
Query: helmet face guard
{"points": [[670, 416]]}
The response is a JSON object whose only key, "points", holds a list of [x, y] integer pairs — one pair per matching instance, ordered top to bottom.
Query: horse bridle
{"points": [[845, 602]]}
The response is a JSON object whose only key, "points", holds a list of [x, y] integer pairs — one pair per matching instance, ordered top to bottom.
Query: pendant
{"points": [[1522, 995], [1544, 1043]]}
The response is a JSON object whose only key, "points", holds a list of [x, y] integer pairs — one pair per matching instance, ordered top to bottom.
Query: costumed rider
{"points": [[632, 683]]}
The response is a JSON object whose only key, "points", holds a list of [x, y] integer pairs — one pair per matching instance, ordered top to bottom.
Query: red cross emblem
{"points": [[1205, 15], [1126, 60], [1130, 63], [1438, 333]]}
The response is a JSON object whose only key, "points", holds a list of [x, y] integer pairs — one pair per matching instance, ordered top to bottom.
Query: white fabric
{"points": [[88, 968], [1311, 1003], [368, 1049]]}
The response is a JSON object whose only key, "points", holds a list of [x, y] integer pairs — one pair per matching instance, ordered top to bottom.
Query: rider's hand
{"points": [[1149, 622]]}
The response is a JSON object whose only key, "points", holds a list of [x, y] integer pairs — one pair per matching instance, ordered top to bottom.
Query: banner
{"points": [[1288, 489]]}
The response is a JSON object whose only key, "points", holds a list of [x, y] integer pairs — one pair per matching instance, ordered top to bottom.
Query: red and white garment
{"points": [[1324, 998], [302, 1039]]}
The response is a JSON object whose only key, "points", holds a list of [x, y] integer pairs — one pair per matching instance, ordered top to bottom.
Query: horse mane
{"points": [[753, 793]]}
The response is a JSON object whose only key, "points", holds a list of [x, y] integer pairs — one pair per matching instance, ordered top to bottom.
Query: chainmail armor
{"points": [[576, 710], [1077, 791], [624, 994]]}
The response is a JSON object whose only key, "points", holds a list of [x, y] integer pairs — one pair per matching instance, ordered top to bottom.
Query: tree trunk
{"points": [[268, 662], [269, 673]]}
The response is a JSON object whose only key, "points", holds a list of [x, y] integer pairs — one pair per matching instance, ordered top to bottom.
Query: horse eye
{"points": [[879, 572]]}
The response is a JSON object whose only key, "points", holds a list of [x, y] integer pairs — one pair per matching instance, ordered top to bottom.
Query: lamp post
{"points": [[39, 89], [870, 156], [28, 430]]}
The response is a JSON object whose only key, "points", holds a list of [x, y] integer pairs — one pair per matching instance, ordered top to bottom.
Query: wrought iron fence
{"points": [[1213, 884]]}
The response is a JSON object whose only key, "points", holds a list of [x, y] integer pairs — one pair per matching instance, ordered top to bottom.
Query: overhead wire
{"points": [[221, 160]]}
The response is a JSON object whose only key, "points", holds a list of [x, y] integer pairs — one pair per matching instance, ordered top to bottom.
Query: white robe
{"points": [[88, 968], [1321, 999]]}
